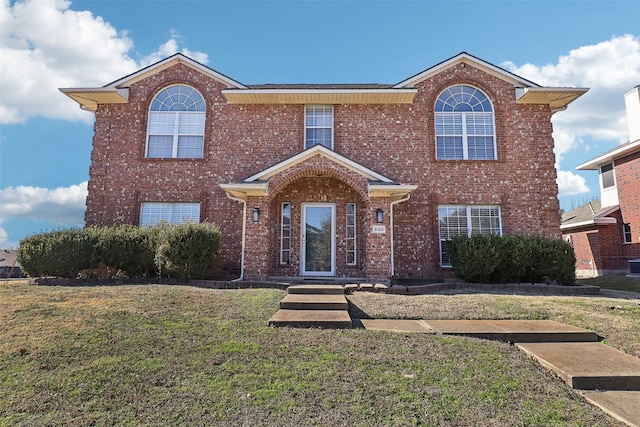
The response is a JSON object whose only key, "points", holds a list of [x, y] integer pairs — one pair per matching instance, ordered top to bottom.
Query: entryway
{"points": [[318, 247]]}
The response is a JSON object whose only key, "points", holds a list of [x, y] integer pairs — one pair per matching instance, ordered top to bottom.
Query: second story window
{"points": [[176, 124], [318, 125], [464, 125], [607, 175]]}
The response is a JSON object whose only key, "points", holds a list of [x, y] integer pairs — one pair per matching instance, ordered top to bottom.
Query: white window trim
{"points": [[306, 109], [176, 126], [465, 140], [613, 174], [469, 224], [625, 234], [354, 238], [284, 249]]}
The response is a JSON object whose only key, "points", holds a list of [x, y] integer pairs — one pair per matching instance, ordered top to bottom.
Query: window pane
{"points": [[162, 123], [191, 123], [160, 146], [190, 147], [449, 147], [606, 172], [185, 212], [152, 213]]}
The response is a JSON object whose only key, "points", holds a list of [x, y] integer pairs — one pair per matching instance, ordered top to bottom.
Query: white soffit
{"points": [[319, 96], [556, 97], [89, 98]]}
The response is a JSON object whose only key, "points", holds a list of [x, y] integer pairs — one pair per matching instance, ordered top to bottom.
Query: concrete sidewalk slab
{"points": [[394, 325], [513, 330], [588, 366], [624, 406]]}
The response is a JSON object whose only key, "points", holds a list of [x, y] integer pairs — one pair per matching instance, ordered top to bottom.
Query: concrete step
{"points": [[316, 289], [314, 302], [330, 319], [518, 331], [589, 365], [621, 405]]}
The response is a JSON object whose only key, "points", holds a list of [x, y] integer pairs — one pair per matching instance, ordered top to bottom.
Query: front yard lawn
{"points": [[171, 355]]}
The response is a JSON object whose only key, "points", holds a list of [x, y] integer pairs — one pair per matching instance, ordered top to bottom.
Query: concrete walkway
{"points": [[606, 377]]}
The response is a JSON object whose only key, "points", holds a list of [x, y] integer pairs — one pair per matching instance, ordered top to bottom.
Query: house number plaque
{"points": [[379, 229]]}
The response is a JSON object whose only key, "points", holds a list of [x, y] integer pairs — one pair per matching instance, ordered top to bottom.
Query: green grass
{"points": [[614, 282], [160, 355]]}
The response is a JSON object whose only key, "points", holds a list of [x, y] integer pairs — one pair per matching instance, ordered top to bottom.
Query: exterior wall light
{"points": [[255, 215], [379, 216]]}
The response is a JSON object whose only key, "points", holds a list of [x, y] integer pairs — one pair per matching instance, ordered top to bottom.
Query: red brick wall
{"points": [[395, 140], [627, 170]]}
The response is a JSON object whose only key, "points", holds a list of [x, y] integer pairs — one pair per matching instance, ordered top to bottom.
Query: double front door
{"points": [[318, 239]]}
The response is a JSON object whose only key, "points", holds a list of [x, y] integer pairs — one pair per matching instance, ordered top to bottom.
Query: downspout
{"points": [[402, 199], [244, 226]]}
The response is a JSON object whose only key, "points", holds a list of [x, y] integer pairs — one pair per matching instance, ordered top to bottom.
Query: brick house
{"points": [[341, 181], [605, 233]]}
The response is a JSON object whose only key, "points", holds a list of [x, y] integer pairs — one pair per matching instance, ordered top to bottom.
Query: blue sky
{"points": [[47, 44]]}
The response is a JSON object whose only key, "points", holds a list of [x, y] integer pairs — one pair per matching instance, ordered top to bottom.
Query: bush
{"points": [[126, 249], [187, 250], [62, 253], [501, 259]]}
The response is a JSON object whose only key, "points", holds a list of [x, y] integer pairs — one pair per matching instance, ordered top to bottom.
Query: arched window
{"points": [[176, 124], [464, 125]]}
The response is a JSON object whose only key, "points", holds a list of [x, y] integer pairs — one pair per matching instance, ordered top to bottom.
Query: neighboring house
{"points": [[353, 181], [605, 233], [9, 266]]}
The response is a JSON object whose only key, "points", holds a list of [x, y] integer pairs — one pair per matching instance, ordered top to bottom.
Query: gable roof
{"points": [[465, 58], [527, 91], [117, 92], [404, 92], [257, 184], [591, 213]]}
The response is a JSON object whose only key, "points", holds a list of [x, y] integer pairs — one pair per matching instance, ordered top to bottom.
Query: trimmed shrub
{"points": [[126, 249], [187, 251], [61, 253], [502, 259]]}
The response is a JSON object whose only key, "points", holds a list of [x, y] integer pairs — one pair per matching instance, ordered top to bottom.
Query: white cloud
{"points": [[47, 45], [609, 69], [570, 184], [63, 205], [4, 239]]}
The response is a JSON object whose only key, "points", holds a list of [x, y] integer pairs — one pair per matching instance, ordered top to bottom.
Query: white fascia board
{"points": [[465, 57], [177, 58], [318, 150], [609, 156], [589, 222]]}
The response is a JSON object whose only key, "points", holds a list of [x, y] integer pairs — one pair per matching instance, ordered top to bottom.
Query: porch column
{"points": [[378, 243], [256, 261]]}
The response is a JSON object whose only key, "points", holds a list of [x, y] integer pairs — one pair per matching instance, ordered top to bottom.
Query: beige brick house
{"points": [[342, 181]]}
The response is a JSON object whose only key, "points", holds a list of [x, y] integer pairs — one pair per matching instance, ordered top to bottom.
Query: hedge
{"points": [[186, 251], [514, 258]]}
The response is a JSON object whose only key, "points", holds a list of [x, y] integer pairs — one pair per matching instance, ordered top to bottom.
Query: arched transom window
{"points": [[176, 124], [464, 125]]}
